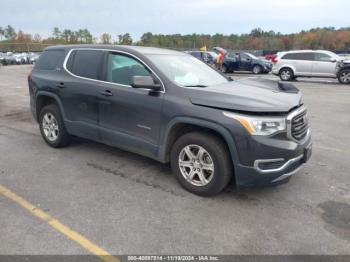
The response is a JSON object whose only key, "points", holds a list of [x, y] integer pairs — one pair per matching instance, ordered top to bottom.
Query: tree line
{"points": [[327, 38]]}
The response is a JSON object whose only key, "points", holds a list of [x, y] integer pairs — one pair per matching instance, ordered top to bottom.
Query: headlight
{"points": [[259, 125]]}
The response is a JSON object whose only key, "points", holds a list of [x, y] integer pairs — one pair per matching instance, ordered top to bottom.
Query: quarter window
{"points": [[322, 57], [49, 60], [86, 63], [121, 69]]}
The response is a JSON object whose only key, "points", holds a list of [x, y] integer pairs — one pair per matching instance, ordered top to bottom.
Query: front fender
{"points": [[164, 139]]}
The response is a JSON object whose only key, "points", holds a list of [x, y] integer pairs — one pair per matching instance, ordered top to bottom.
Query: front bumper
{"points": [[265, 160], [273, 171]]}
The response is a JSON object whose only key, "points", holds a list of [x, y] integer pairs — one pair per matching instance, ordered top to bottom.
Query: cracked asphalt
{"points": [[128, 204]]}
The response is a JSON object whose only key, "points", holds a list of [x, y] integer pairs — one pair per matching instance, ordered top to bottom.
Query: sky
{"points": [[173, 16]]}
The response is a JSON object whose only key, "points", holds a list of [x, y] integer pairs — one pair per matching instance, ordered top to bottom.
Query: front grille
{"points": [[299, 125]]}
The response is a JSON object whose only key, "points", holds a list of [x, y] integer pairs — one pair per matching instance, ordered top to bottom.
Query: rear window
{"points": [[299, 56], [49, 60], [86, 63]]}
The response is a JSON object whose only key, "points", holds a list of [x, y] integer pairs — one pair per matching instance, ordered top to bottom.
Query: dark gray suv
{"points": [[171, 107]]}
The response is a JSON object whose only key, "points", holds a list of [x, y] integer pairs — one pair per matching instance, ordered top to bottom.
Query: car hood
{"points": [[249, 95]]}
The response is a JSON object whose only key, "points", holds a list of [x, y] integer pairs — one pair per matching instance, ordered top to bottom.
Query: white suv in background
{"points": [[308, 63]]}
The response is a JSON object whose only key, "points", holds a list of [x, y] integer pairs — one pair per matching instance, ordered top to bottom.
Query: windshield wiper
{"points": [[196, 86]]}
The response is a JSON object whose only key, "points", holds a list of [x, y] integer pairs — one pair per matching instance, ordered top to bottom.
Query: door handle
{"points": [[60, 85], [106, 93]]}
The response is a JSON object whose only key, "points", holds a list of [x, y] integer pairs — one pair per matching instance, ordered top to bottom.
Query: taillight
{"points": [[274, 60], [30, 76]]}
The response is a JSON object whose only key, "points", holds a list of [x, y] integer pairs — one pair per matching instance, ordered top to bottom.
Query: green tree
{"points": [[2, 32], [10, 33], [57, 34], [66, 35], [86, 36], [106, 39], [124, 39]]}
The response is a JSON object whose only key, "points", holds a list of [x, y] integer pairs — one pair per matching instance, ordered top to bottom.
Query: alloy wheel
{"points": [[256, 70], [285, 75], [345, 77], [50, 127], [196, 165]]}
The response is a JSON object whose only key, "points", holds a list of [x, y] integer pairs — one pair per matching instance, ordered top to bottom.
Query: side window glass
{"points": [[291, 56], [307, 56], [322, 57], [245, 58], [49, 60], [86, 63], [121, 69]]}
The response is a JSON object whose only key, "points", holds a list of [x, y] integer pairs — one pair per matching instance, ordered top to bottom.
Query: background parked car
{"points": [[343, 55], [208, 57], [270, 57], [2, 58], [18, 58], [242, 61], [307, 63]]}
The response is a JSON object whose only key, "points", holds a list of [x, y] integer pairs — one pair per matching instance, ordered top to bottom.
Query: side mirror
{"points": [[333, 60], [146, 82]]}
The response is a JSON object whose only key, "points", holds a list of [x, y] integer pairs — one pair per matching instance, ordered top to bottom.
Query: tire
{"points": [[224, 69], [257, 69], [286, 74], [344, 76], [52, 127], [215, 157]]}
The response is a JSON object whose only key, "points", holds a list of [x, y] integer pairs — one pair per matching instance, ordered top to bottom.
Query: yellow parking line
{"points": [[69, 233]]}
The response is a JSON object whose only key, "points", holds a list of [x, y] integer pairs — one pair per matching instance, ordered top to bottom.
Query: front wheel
{"points": [[257, 69], [286, 74], [344, 76], [201, 163]]}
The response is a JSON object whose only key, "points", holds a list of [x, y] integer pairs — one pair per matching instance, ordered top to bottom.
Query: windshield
{"points": [[252, 56], [187, 71]]}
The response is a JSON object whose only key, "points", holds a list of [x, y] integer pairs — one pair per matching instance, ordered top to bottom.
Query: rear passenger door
{"points": [[302, 63], [80, 91], [129, 117]]}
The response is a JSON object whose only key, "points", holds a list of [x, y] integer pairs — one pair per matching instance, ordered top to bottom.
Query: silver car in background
{"points": [[307, 63]]}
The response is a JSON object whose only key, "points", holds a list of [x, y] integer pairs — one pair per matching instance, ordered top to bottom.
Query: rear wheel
{"points": [[286, 74], [344, 76], [52, 127], [201, 163]]}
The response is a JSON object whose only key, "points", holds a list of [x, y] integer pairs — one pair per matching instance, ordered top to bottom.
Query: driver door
{"points": [[245, 62], [324, 65], [129, 117]]}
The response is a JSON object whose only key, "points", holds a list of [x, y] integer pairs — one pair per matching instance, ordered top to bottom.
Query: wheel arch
{"points": [[286, 67], [44, 98], [182, 125]]}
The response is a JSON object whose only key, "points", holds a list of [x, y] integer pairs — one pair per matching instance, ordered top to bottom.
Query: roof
{"points": [[139, 49], [305, 51]]}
